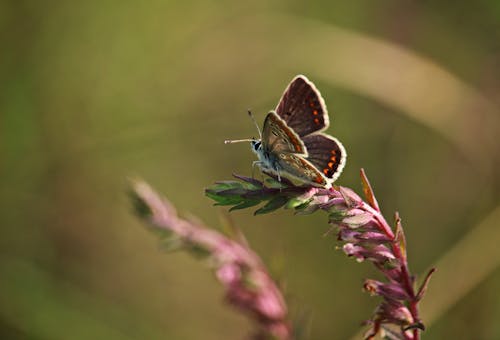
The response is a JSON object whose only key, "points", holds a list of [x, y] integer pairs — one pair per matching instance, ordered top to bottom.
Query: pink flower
{"points": [[365, 234], [247, 283]]}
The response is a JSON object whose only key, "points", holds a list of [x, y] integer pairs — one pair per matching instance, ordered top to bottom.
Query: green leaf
{"points": [[255, 183], [272, 183], [223, 185], [230, 188], [230, 192], [233, 192], [260, 195], [221, 199], [297, 202], [245, 204], [272, 205], [306, 209]]}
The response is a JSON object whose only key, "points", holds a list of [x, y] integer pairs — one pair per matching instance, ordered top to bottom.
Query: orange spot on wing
{"points": [[315, 112], [316, 120], [295, 142], [333, 152], [330, 164], [325, 171], [319, 179]]}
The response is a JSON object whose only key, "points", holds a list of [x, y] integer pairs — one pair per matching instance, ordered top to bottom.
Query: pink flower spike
{"points": [[351, 198], [321, 199], [337, 202], [357, 218], [348, 235], [365, 235], [372, 236], [355, 251], [383, 251], [228, 274], [247, 284], [387, 290], [270, 306], [396, 312]]}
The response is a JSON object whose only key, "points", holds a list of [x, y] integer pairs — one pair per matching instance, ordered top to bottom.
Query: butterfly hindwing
{"points": [[302, 107], [277, 137], [326, 153]]}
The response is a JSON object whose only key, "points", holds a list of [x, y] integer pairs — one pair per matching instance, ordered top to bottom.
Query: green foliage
{"points": [[250, 192], [272, 205]]}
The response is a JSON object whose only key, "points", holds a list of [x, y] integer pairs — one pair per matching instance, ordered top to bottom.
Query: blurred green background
{"points": [[94, 92]]}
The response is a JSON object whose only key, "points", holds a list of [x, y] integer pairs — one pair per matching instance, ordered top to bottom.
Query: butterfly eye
{"points": [[256, 145]]}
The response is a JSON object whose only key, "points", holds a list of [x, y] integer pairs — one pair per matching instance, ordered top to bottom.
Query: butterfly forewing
{"points": [[303, 108], [277, 137], [326, 153], [297, 167]]}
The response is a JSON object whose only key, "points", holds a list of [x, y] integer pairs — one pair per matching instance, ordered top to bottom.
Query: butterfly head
{"points": [[256, 145]]}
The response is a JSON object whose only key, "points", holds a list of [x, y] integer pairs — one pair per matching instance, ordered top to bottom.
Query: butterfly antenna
{"points": [[255, 122], [231, 141]]}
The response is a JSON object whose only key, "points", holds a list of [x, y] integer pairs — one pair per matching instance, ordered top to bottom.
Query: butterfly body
{"points": [[292, 143], [267, 159]]}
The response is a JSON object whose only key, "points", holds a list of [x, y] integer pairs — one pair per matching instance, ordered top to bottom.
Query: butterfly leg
{"points": [[254, 164], [277, 170], [279, 177]]}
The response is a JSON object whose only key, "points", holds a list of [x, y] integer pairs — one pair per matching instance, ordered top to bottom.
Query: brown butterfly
{"points": [[292, 143]]}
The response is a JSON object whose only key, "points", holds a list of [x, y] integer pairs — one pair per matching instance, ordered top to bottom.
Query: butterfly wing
{"points": [[302, 107], [277, 137], [292, 141], [326, 153], [295, 166]]}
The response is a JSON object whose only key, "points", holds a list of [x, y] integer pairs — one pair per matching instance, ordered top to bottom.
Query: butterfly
{"points": [[292, 143]]}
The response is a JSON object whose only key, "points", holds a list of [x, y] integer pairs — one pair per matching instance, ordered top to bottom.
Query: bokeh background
{"points": [[95, 92]]}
